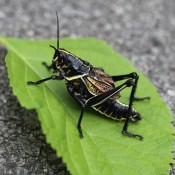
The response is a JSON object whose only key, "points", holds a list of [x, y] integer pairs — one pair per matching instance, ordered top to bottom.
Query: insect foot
{"points": [[46, 65], [31, 83], [141, 99], [80, 133], [130, 134]]}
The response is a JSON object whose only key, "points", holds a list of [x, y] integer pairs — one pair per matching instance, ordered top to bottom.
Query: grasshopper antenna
{"points": [[58, 35]]}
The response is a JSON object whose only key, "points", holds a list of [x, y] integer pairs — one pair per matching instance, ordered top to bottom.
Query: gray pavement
{"points": [[142, 31]]}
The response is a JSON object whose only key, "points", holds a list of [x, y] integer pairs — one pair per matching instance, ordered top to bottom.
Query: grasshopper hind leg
{"points": [[141, 98], [130, 134]]}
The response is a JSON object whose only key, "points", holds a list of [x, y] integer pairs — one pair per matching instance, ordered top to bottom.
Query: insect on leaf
{"points": [[103, 150]]}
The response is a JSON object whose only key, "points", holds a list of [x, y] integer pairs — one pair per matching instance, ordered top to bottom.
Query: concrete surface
{"points": [[143, 31]]}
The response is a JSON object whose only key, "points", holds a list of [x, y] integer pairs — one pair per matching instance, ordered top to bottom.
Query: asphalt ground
{"points": [[142, 31]]}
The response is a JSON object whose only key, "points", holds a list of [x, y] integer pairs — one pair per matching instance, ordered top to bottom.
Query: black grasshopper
{"points": [[93, 87]]}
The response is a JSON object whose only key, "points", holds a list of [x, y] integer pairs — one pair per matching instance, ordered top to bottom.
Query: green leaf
{"points": [[103, 150]]}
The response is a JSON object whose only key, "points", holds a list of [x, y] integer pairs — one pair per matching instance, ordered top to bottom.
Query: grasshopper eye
{"points": [[61, 55], [60, 58]]}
